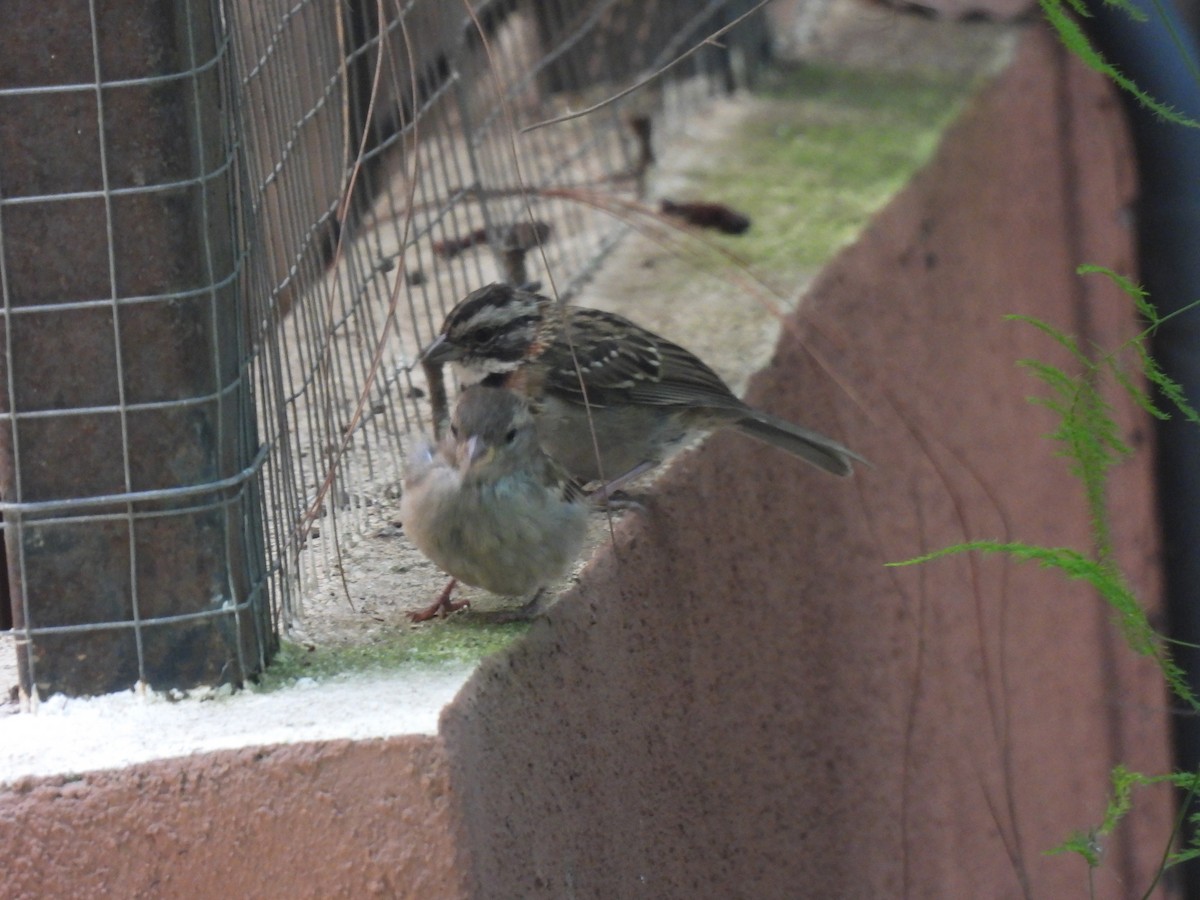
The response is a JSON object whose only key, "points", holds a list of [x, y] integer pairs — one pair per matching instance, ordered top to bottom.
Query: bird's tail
{"points": [[824, 453]]}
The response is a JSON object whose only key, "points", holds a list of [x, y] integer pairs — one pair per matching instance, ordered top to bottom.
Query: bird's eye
{"points": [[484, 334], [510, 436]]}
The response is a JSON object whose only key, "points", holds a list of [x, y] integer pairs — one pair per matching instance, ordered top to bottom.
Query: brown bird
{"points": [[594, 372]]}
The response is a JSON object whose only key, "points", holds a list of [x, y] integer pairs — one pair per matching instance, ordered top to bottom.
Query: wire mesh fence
{"points": [[226, 228]]}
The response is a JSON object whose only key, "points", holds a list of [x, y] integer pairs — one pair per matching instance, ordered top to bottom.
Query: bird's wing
{"points": [[605, 351], [620, 362], [684, 380], [554, 474]]}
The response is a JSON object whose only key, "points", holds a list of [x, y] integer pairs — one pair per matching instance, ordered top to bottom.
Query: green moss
{"points": [[826, 151], [461, 639]]}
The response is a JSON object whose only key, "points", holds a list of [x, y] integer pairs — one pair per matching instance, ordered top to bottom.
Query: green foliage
{"points": [[1073, 37], [1147, 365], [1087, 430], [1090, 439], [1108, 581], [1089, 844]]}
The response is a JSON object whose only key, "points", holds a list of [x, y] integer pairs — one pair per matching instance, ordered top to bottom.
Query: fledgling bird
{"points": [[644, 393], [488, 505]]}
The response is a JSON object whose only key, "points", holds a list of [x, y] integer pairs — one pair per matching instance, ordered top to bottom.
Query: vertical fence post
{"points": [[127, 448]]}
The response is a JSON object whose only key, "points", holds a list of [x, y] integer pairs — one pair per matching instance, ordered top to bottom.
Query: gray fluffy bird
{"points": [[591, 371], [488, 506]]}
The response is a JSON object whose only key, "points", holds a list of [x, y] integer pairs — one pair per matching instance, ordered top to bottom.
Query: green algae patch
{"points": [[821, 151], [461, 640]]}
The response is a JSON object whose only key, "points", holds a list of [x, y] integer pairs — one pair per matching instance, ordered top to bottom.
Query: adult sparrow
{"points": [[613, 398], [488, 505]]}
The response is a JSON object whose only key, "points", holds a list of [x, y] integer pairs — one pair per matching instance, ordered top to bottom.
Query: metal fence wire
{"points": [[225, 230]]}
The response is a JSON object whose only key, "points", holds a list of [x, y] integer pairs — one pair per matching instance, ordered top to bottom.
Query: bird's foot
{"points": [[610, 495], [616, 501], [443, 604], [526, 612]]}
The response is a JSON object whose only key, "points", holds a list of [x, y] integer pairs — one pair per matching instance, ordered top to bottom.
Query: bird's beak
{"points": [[440, 350], [471, 452]]}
